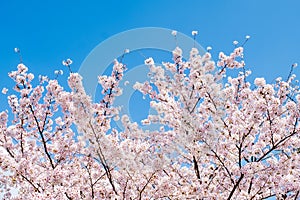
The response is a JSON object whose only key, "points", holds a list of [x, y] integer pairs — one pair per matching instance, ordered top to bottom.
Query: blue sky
{"points": [[54, 30]]}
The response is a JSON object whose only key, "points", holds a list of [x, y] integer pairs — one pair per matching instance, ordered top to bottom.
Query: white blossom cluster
{"points": [[219, 138]]}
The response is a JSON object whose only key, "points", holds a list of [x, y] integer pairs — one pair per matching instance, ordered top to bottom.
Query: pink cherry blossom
{"points": [[4, 90], [217, 137]]}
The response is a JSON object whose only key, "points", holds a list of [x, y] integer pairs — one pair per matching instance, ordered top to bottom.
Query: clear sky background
{"points": [[49, 31]]}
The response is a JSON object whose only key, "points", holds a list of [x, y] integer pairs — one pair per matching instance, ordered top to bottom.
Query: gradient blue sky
{"points": [[54, 30]]}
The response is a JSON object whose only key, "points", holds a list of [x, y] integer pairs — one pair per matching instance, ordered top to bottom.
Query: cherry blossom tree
{"points": [[219, 137]]}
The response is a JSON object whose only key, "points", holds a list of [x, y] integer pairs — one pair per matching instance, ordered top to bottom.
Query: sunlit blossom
{"points": [[194, 33], [17, 50], [149, 61], [67, 62], [295, 65], [260, 81], [4, 90], [207, 137]]}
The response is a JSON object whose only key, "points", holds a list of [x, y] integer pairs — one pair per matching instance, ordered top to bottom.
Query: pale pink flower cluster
{"points": [[174, 33], [194, 33], [177, 55], [149, 61], [232, 61], [67, 62], [260, 82], [4, 90], [217, 138]]}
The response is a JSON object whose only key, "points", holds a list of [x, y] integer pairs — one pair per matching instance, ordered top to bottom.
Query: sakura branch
{"points": [[218, 137]]}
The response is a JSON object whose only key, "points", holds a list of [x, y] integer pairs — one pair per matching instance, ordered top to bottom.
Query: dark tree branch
{"points": [[41, 130], [196, 168], [235, 186]]}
